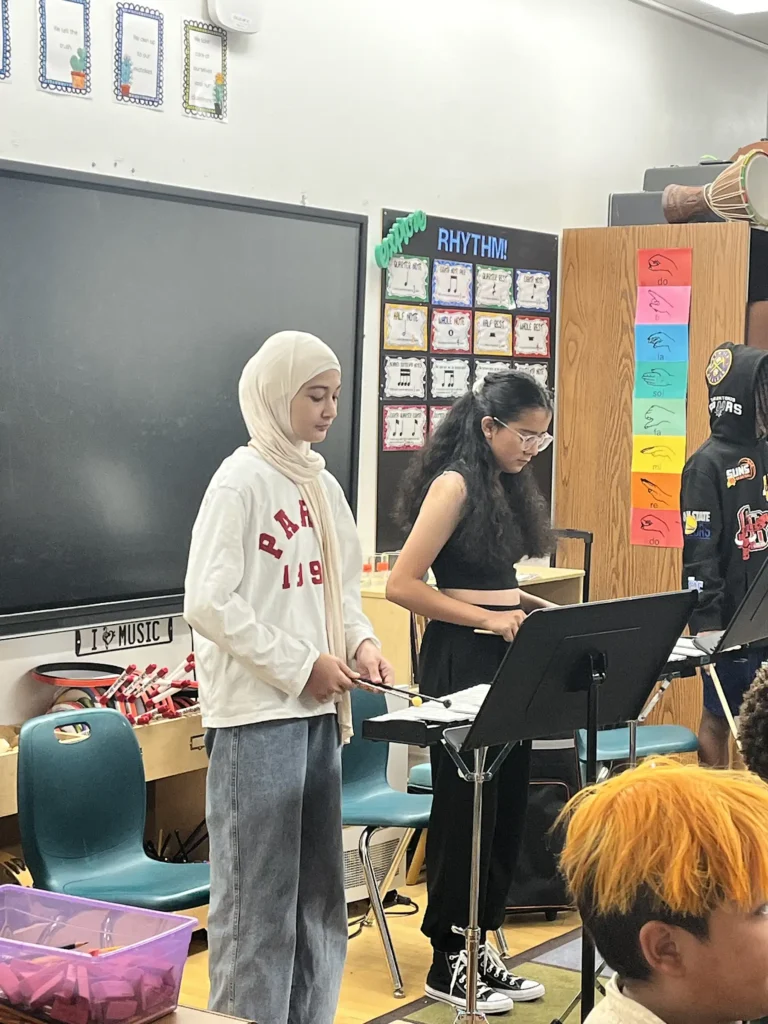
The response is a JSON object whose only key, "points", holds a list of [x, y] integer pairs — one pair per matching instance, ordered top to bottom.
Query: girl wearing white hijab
{"points": [[273, 590]]}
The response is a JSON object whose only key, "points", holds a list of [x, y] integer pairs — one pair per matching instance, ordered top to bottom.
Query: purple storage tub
{"points": [[137, 982]]}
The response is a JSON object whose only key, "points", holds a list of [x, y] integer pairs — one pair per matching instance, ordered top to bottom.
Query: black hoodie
{"points": [[724, 493]]}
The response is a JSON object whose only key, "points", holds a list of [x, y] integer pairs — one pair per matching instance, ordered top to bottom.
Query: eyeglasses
{"points": [[529, 442]]}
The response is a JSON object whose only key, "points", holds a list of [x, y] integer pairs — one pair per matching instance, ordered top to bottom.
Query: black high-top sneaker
{"points": [[494, 974], [447, 982]]}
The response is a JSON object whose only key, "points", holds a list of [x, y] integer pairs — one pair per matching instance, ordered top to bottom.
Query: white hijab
{"points": [[268, 385]]}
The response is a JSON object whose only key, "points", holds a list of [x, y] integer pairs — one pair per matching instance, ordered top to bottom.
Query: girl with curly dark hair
{"points": [[473, 511]]}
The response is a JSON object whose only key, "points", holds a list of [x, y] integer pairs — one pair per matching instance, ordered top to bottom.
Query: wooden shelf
{"points": [[168, 747]]}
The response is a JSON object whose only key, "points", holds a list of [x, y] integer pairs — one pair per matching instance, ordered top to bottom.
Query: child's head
{"points": [[290, 388], [753, 724], [669, 868]]}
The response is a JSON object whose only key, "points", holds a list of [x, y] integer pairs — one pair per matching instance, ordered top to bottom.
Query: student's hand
{"points": [[506, 624], [372, 665], [329, 677]]}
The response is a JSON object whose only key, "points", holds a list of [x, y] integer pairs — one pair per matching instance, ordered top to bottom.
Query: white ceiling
{"points": [[754, 26]]}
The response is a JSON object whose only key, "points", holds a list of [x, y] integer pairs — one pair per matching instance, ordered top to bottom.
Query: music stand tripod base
{"points": [[452, 740]]}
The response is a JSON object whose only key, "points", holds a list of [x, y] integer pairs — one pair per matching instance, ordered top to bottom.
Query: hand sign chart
{"points": [[661, 387]]}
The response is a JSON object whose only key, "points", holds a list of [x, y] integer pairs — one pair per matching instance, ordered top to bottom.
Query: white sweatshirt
{"points": [[254, 594]]}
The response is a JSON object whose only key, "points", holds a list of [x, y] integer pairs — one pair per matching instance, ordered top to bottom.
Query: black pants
{"points": [[454, 658]]}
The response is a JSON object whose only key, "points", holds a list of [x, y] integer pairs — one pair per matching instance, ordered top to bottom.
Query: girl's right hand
{"points": [[506, 624]]}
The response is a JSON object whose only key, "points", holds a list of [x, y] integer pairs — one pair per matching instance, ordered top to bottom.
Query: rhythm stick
{"points": [[415, 698], [724, 702]]}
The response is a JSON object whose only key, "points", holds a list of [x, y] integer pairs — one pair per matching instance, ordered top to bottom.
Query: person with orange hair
{"points": [[668, 865]]}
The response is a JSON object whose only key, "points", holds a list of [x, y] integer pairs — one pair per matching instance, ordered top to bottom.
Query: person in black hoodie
{"points": [[724, 505]]}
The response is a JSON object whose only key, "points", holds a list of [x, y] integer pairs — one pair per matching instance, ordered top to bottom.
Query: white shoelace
{"points": [[491, 963], [460, 975]]}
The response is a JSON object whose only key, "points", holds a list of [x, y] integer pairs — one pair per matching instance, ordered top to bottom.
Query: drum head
{"points": [[756, 182], [68, 673]]}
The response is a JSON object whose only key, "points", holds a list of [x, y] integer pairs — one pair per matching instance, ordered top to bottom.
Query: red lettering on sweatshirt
{"points": [[304, 513], [289, 527], [268, 543]]}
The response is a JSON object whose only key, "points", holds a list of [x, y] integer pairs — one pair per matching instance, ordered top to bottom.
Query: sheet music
{"points": [[464, 704]]}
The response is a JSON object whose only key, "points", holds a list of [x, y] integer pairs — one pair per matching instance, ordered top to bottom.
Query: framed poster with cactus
{"points": [[5, 42], [65, 46], [205, 71], [138, 73]]}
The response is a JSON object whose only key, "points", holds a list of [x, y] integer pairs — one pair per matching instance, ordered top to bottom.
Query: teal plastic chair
{"points": [[613, 744], [420, 777], [368, 801], [82, 808]]}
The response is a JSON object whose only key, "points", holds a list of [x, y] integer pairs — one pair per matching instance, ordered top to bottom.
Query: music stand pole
{"points": [[477, 776]]}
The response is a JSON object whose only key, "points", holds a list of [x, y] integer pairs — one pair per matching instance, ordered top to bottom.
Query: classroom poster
{"points": [[64, 36], [5, 42], [138, 64], [205, 71], [408, 278], [532, 289], [449, 298], [661, 388]]}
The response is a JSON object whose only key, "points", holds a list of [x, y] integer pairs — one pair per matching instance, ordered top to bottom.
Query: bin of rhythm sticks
{"points": [[66, 960]]}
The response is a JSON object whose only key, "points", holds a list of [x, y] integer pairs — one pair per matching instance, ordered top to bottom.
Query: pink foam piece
{"points": [[31, 982], [9, 983], [83, 986], [46, 988], [111, 988], [66, 989], [120, 1009], [69, 1013]]}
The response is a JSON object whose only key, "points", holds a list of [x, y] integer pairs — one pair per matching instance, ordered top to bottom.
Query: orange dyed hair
{"points": [[690, 838]]}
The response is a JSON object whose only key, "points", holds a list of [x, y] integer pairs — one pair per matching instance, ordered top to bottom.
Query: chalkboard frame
{"points": [[24, 623]]}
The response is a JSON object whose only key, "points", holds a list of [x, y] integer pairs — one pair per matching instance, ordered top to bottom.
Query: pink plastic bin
{"points": [[136, 983]]}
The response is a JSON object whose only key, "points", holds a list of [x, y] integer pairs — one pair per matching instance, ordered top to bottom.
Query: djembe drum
{"points": [[740, 192]]}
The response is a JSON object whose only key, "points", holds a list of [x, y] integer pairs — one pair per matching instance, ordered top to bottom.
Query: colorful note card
{"points": [[664, 268], [663, 305], [668, 344], [661, 380], [659, 416], [663, 454], [657, 491], [658, 529]]}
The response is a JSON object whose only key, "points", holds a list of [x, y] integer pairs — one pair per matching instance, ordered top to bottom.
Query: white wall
{"points": [[518, 112]]}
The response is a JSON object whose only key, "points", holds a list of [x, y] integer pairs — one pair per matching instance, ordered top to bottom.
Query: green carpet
{"points": [[560, 983]]}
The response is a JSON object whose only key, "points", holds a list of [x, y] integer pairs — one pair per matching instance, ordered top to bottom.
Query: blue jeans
{"points": [[277, 924]]}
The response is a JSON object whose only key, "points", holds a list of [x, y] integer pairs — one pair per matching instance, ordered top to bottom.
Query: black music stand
{"points": [[592, 664]]}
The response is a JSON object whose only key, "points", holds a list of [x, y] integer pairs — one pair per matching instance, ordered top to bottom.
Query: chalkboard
{"points": [[461, 299], [127, 312]]}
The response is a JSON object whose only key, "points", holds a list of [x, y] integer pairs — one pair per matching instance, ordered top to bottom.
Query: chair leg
{"points": [[394, 867], [414, 871], [378, 909], [501, 943]]}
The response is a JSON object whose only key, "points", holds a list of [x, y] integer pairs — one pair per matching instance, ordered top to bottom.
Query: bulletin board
{"points": [[460, 301]]}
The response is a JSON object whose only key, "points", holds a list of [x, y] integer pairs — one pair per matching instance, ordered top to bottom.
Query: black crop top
{"points": [[454, 571]]}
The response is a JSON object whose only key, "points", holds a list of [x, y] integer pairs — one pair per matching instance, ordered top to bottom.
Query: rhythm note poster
{"points": [[459, 300], [661, 388]]}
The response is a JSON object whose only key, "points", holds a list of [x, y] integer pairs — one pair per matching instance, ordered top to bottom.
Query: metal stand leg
{"points": [[397, 860], [378, 910], [501, 943], [470, 1014]]}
